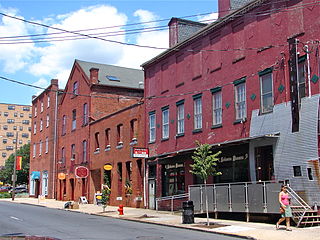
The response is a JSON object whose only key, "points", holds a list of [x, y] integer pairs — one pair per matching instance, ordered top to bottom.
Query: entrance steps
{"points": [[305, 217]]}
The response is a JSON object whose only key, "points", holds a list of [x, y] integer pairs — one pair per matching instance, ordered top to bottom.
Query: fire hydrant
{"points": [[120, 209]]}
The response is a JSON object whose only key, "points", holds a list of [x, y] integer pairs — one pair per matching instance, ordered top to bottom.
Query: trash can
{"points": [[187, 212]]}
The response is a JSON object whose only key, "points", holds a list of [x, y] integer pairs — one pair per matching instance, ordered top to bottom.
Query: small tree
{"points": [[205, 165], [106, 191]]}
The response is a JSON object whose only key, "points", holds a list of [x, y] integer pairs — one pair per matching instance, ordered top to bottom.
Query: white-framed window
{"points": [[75, 89], [266, 90], [48, 101], [240, 101], [41, 106], [216, 108], [197, 109], [35, 111], [85, 114], [180, 118], [74, 119], [48, 120], [165, 123], [41, 124], [64, 126], [152, 127], [34, 128], [47, 144], [40, 147], [34, 150], [73, 151], [84, 151], [63, 155], [44, 183]]}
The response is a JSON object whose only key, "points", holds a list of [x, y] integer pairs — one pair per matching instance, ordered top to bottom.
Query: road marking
{"points": [[15, 218]]}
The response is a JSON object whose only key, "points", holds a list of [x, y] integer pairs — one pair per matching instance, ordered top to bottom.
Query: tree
{"points": [[205, 165], [22, 175]]}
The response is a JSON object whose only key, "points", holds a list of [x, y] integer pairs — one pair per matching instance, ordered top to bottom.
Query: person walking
{"points": [[286, 213]]}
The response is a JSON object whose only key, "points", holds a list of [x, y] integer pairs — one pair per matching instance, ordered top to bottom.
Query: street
{"points": [[26, 220]]}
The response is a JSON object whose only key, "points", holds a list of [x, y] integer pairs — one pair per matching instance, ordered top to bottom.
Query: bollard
{"points": [[120, 209]]}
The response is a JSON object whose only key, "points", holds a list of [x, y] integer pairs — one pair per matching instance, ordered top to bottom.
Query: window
{"points": [[301, 79], [75, 88], [266, 90], [48, 102], [240, 103], [41, 106], [11, 107], [197, 107], [217, 108], [27, 109], [35, 111], [6, 114], [15, 114], [85, 114], [21, 115], [30, 115], [180, 118], [74, 119], [10, 120], [48, 120], [64, 121], [25, 122], [165, 123], [41, 124], [5, 127], [14, 127], [152, 127], [21, 128], [34, 128], [29, 129], [133, 130], [10, 134], [120, 134], [25, 135], [107, 138], [4, 141], [14, 141], [20, 141], [47, 144], [97, 146], [40, 147], [9, 148], [34, 150], [73, 151], [84, 151], [4, 154], [63, 155], [297, 171], [310, 175], [173, 179]]}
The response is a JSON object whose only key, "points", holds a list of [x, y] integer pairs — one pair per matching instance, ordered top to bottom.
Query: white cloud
{"points": [[209, 18], [14, 56], [42, 82]]}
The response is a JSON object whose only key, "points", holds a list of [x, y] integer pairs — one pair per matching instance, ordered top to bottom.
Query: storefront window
{"points": [[173, 176]]}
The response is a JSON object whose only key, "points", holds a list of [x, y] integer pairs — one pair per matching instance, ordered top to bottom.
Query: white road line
{"points": [[15, 218]]}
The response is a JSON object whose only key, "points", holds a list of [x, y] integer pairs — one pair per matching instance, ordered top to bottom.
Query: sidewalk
{"points": [[260, 231]]}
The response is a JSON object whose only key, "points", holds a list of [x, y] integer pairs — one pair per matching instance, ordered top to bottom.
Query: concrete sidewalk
{"points": [[259, 231]]}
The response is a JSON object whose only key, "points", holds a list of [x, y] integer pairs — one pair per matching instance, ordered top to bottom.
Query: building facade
{"points": [[248, 85], [15, 119], [113, 139]]}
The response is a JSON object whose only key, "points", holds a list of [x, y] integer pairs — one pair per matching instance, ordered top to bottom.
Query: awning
{"points": [[35, 175]]}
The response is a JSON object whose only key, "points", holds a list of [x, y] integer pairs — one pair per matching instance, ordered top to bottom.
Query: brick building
{"points": [[248, 85], [92, 91], [14, 119], [112, 139], [43, 142]]}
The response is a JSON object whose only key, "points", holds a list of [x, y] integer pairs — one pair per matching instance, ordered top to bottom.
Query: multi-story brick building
{"points": [[248, 84], [13, 119], [113, 138], [43, 142]]}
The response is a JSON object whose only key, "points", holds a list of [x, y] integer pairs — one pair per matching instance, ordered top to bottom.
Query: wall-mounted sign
{"points": [[140, 152], [107, 167], [81, 172], [61, 176]]}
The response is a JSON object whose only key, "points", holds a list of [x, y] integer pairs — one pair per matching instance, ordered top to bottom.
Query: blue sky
{"points": [[37, 61]]}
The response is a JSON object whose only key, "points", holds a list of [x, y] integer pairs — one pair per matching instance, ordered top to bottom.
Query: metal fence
{"points": [[247, 197], [171, 203]]}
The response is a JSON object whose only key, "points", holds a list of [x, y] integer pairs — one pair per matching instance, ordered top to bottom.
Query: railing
{"points": [[172, 200], [299, 206]]}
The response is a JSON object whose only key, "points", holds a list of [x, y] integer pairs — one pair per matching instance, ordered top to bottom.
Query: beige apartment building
{"points": [[13, 119]]}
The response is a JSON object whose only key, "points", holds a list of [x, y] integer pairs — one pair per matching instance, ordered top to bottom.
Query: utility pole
{"points": [[14, 176]]}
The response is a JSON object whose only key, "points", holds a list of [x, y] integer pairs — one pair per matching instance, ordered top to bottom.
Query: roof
{"points": [[208, 29], [114, 75]]}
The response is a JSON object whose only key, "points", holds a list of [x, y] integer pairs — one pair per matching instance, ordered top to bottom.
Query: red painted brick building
{"points": [[248, 85], [112, 139], [43, 144]]}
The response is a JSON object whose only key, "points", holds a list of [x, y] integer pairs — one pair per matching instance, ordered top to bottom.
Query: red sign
{"points": [[140, 152], [19, 163], [81, 172]]}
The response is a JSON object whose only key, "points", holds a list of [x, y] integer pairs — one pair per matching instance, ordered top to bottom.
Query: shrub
{"points": [[5, 195]]}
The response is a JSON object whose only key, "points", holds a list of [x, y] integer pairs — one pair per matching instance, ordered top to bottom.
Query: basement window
{"points": [[113, 78]]}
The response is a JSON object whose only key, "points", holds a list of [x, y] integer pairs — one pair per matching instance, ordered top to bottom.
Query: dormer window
{"points": [[113, 78], [75, 90]]}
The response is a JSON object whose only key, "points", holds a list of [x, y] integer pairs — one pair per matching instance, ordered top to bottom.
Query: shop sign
{"points": [[140, 152], [234, 158], [177, 165], [107, 167], [81, 172], [61, 176]]}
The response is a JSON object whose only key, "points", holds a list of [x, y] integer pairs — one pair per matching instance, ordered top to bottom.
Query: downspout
{"points": [[308, 69], [54, 146]]}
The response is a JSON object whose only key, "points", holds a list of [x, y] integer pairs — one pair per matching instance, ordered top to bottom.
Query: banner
{"points": [[19, 163]]}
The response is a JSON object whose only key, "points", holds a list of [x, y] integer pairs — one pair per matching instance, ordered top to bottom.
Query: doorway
{"points": [[264, 163], [72, 188], [152, 191]]}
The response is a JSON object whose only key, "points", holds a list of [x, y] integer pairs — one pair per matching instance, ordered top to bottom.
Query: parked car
{"points": [[5, 189], [21, 189]]}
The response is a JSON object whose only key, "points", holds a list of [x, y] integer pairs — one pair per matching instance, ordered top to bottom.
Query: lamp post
{"points": [[14, 176]]}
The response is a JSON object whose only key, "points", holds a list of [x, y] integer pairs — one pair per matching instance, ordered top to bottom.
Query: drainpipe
{"points": [[308, 69], [54, 146]]}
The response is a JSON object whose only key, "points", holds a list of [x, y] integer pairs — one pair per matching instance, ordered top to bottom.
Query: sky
{"points": [[34, 49]]}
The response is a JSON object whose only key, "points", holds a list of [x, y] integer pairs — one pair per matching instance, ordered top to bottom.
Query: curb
{"points": [[144, 221]]}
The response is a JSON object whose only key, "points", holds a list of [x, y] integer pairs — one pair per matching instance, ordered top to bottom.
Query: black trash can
{"points": [[187, 212]]}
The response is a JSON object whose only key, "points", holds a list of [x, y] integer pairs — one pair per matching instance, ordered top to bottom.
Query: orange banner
{"points": [[19, 163]]}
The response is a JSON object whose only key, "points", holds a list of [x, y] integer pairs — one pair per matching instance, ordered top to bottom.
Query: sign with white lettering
{"points": [[140, 152]]}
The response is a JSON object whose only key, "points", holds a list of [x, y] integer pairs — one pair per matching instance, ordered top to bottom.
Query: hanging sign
{"points": [[140, 152], [19, 163], [107, 167], [81, 172], [61, 176]]}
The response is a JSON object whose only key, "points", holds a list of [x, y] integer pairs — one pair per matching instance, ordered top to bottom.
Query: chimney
{"points": [[228, 6], [181, 29], [94, 73], [54, 82]]}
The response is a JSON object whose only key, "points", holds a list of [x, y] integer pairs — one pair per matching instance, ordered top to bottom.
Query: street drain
{"points": [[149, 238]]}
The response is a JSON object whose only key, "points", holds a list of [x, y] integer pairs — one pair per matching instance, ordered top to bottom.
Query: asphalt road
{"points": [[25, 220]]}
